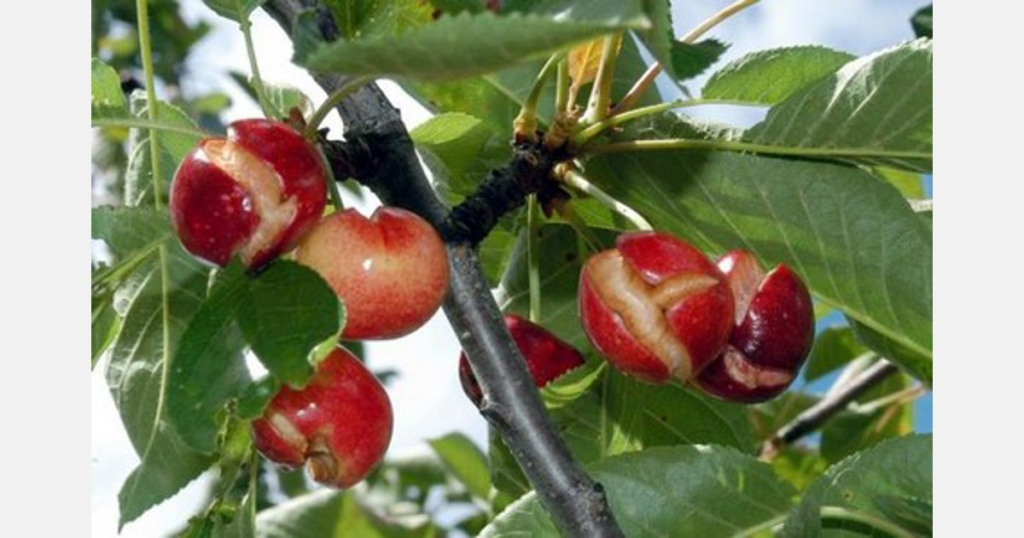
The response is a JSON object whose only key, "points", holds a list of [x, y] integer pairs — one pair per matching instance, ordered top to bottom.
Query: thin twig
{"points": [[576, 180], [815, 416]]}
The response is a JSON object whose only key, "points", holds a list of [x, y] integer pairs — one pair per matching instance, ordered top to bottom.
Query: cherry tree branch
{"points": [[834, 402], [575, 502]]}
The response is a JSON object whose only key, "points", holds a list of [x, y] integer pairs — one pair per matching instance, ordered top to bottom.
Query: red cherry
{"points": [[253, 193], [391, 270], [655, 307], [773, 335], [547, 357], [340, 423]]}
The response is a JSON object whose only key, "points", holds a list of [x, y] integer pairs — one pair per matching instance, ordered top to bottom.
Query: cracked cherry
{"points": [[253, 193], [391, 270], [655, 307], [773, 334], [547, 357], [339, 424]]}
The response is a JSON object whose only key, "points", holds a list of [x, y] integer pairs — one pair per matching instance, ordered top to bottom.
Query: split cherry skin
{"points": [[253, 193], [655, 307], [772, 337], [339, 424]]}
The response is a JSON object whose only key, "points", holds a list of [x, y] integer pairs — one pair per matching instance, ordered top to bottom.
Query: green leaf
{"points": [[454, 7], [236, 10], [363, 18], [922, 22], [660, 36], [485, 42], [681, 60], [690, 60], [770, 76], [107, 98], [496, 98], [282, 99], [876, 110], [176, 143], [465, 149], [138, 178], [908, 183], [130, 229], [854, 240], [494, 252], [155, 301], [284, 314], [105, 326], [833, 347], [894, 348], [209, 368], [256, 396], [645, 416], [767, 417], [465, 461], [798, 465], [894, 471], [672, 491], [232, 510], [333, 514], [912, 514], [524, 517]]}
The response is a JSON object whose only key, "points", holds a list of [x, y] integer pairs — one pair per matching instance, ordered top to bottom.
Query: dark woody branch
{"points": [[380, 153]]}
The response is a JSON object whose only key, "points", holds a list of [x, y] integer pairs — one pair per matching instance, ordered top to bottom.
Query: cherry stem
{"points": [[716, 19], [146, 47], [250, 50], [562, 87], [601, 92], [325, 108], [615, 120], [525, 123], [729, 145], [574, 179], [332, 182], [533, 256], [900, 397], [849, 514]]}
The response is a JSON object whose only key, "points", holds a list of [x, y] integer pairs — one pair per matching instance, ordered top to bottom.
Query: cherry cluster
{"points": [[260, 193], [654, 306], [659, 310]]}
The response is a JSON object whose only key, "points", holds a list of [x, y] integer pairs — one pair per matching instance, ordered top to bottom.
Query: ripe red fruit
{"points": [[253, 193], [391, 270], [655, 307], [773, 334], [547, 357], [340, 423]]}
